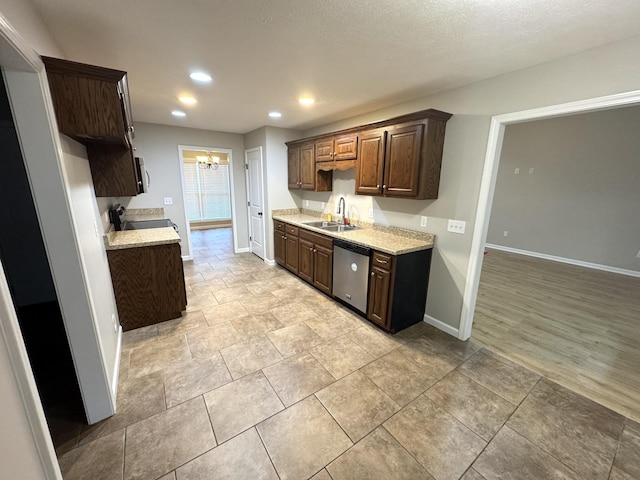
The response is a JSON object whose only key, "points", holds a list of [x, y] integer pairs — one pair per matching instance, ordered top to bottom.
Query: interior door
{"points": [[253, 160]]}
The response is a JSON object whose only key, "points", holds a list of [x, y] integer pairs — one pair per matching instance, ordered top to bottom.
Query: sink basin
{"points": [[144, 224], [321, 224], [339, 228]]}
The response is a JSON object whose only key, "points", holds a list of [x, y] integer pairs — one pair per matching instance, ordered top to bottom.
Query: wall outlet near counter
{"points": [[168, 200], [306, 203], [371, 213], [423, 221], [456, 226], [506, 233]]}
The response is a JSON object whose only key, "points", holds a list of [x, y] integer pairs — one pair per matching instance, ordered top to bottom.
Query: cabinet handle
{"points": [[381, 261]]}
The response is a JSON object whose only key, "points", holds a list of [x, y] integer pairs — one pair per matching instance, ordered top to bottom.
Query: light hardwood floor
{"points": [[577, 326]]}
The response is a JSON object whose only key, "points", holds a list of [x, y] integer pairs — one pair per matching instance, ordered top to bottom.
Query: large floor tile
{"points": [[238, 293], [200, 300], [261, 303], [224, 312], [293, 312], [186, 322], [256, 324], [332, 326], [139, 336], [294, 339], [374, 341], [207, 342], [251, 355], [155, 356], [341, 356], [436, 365], [399, 376], [297, 377], [194, 378], [507, 379], [138, 398], [357, 404], [240, 405], [481, 410], [575, 430], [302, 439], [162, 443], [445, 447], [378, 456], [511, 456], [241, 458], [101, 459], [627, 460], [472, 474], [322, 475]]}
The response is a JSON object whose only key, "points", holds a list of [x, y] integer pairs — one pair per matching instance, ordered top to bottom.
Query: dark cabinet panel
{"points": [[402, 161], [370, 165], [293, 167], [307, 167], [279, 243], [291, 255], [306, 260], [323, 269], [379, 283]]}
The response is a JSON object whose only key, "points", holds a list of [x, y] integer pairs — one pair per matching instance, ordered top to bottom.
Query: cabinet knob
{"points": [[377, 186], [384, 187], [284, 238], [314, 250], [372, 274]]}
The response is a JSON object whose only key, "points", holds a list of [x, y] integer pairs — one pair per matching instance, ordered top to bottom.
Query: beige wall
{"points": [[23, 18], [598, 72], [158, 145], [582, 200]]}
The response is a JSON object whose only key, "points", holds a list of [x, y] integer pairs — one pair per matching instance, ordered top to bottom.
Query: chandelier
{"points": [[208, 162]]}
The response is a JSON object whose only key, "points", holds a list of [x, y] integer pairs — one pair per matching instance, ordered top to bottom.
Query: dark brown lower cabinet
{"points": [[279, 243], [316, 260], [148, 283], [398, 289]]}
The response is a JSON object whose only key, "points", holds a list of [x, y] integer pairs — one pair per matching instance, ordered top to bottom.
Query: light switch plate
{"points": [[168, 200], [371, 213], [456, 226]]}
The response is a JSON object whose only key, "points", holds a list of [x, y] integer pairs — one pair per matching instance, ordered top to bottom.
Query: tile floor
{"points": [[265, 378]]}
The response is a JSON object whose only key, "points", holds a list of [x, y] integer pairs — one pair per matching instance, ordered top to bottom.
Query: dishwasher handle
{"points": [[352, 247]]}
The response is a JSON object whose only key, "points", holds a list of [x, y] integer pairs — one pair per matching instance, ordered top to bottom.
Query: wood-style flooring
{"points": [[577, 326]]}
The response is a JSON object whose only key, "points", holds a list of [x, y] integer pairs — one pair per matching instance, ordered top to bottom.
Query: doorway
{"points": [[207, 187], [255, 200]]}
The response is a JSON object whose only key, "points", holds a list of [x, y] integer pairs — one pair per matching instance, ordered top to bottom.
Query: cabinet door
{"points": [[345, 147], [324, 151], [402, 161], [370, 165], [293, 167], [307, 167], [112, 170], [279, 247], [291, 256], [323, 269], [305, 270], [378, 305]]}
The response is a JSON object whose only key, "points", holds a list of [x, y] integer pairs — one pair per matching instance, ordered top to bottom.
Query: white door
{"points": [[253, 160]]}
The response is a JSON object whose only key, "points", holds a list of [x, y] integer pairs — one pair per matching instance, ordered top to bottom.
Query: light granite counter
{"points": [[140, 238], [395, 241]]}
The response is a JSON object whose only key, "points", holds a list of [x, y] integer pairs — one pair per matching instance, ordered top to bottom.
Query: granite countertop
{"points": [[141, 238], [395, 241]]}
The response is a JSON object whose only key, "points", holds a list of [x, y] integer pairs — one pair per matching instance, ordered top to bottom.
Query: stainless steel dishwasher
{"points": [[351, 273]]}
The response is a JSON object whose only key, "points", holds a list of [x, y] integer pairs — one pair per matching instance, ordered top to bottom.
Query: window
{"points": [[207, 192]]}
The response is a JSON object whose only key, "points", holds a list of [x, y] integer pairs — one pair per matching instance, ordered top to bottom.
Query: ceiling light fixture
{"points": [[200, 77], [187, 100], [306, 100], [178, 113], [275, 114], [208, 162]]}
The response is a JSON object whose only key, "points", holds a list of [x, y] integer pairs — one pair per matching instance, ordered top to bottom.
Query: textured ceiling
{"points": [[353, 56]]}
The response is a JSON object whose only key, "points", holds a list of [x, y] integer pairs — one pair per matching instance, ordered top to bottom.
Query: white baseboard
{"points": [[243, 250], [186, 258], [570, 261], [269, 262], [446, 328], [116, 370]]}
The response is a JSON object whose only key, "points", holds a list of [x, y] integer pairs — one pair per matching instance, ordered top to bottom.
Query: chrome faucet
{"points": [[341, 208]]}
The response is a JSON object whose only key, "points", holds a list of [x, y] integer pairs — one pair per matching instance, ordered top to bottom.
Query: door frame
{"points": [[246, 176], [488, 183], [232, 194]]}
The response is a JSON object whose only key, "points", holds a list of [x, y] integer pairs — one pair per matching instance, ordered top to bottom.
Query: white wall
{"points": [[21, 15], [601, 71], [158, 145], [582, 200]]}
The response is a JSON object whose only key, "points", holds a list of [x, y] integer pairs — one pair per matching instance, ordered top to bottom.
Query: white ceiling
{"points": [[353, 56]]}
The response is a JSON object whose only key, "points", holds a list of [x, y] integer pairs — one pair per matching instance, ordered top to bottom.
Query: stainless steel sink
{"points": [[321, 224], [339, 228]]}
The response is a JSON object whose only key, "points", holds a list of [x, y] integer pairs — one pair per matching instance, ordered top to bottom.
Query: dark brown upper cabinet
{"points": [[92, 106], [335, 149], [301, 169]]}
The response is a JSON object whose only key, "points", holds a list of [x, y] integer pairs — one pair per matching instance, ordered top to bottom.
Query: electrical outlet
{"points": [[531, 170], [517, 171], [168, 200], [306, 203], [323, 205], [371, 213], [423, 221], [456, 226], [506, 233], [115, 322]]}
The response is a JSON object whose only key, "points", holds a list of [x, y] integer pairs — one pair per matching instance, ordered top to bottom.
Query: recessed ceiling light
{"points": [[200, 77], [187, 100], [306, 100], [178, 113], [275, 114]]}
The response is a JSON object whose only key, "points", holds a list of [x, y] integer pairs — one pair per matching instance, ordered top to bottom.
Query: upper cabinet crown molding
{"points": [[399, 157]]}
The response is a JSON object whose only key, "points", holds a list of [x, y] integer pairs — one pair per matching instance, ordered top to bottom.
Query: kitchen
{"points": [[465, 145]]}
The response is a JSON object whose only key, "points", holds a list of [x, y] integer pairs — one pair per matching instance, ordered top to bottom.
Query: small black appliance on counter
{"points": [[115, 216]]}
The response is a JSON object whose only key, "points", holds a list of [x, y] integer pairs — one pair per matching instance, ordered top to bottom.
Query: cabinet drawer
{"points": [[279, 226], [291, 230], [317, 238], [382, 260]]}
